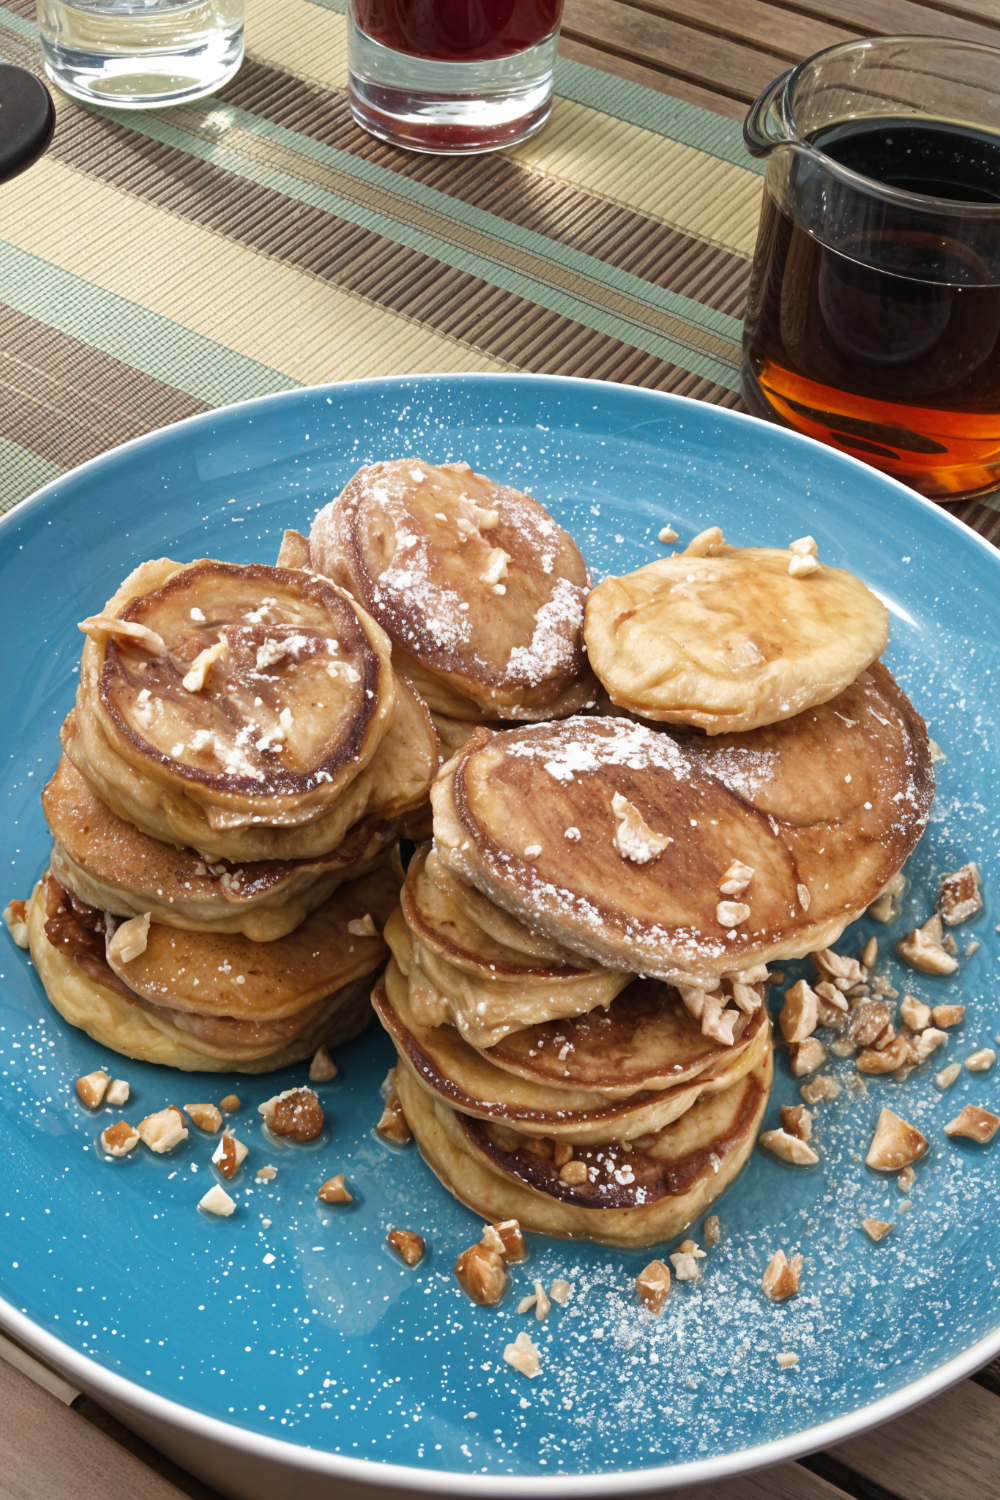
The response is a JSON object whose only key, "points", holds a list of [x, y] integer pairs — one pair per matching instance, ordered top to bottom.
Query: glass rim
{"points": [[952, 207]]}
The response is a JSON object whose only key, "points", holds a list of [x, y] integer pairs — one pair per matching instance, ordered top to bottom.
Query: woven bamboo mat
{"points": [[158, 264]]}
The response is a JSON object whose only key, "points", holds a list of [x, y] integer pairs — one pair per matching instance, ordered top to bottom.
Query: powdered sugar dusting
{"points": [[554, 643]]}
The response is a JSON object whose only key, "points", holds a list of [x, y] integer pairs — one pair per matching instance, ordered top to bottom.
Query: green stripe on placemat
{"points": [[672, 118], [23, 473]]}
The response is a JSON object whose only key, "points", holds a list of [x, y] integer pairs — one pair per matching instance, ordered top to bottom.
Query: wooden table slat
{"points": [[902, 17], [775, 30], [573, 46], [945, 1450], [788, 1482]]}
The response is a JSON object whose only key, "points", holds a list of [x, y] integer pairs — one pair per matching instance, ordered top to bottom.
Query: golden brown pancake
{"points": [[480, 592], [729, 641], [246, 718], [823, 809], [111, 865], [209, 1001], [559, 1100], [631, 1198]]}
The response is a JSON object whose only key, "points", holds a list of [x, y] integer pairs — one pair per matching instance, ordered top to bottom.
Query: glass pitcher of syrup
{"points": [[873, 312]]}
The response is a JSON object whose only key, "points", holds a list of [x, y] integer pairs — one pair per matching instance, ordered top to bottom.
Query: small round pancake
{"points": [[480, 592], [731, 640], [240, 702], [394, 782], [823, 809], [111, 865], [91, 998], [485, 1010], [475, 1083], [634, 1198]]}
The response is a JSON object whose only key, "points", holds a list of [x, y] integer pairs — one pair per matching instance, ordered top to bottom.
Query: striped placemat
{"points": [[157, 264]]}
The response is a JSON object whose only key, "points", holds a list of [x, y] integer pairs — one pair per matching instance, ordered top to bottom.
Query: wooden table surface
{"points": [[58, 1445]]}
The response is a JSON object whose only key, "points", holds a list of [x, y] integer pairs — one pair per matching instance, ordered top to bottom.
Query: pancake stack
{"points": [[479, 591], [225, 818], [542, 1079]]}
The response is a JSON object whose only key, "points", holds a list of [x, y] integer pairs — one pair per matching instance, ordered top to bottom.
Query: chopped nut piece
{"points": [[667, 534], [706, 543], [804, 547], [496, 566], [801, 567], [137, 635], [196, 676], [936, 753], [634, 839], [736, 879], [959, 897], [805, 900], [886, 904], [731, 913], [14, 914], [362, 926], [129, 940], [949, 944], [972, 948], [922, 949], [869, 956], [836, 966], [881, 986], [827, 991], [914, 1013], [799, 1014], [948, 1015], [868, 1021], [926, 1042], [843, 1047], [805, 1057], [884, 1059], [981, 1061], [322, 1068], [948, 1076], [92, 1087], [823, 1087], [118, 1092], [230, 1103], [295, 1113], [205, 1116], [797, 1120], [974, 1123], [392, 1126], [163, 1130], [120, 1138], [895, 1143], [788, 1148], [229, 1154], [562, 1154], [266, 1173], [574, 1173], [906, 1179], [334, 1191], [217, 1201], [876, 1229], [713, 1230], [409, 1246], [512, 1246], [689, 1247], [685, 1264], [482, 1275], [781, 1279], [652, 1286], [561, 1291], [527, 1303], [542, 1303], [523, 1355], [786, 1361]]}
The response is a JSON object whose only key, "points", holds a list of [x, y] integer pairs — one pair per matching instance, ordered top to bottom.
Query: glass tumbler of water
{"points": [[139, 54]]}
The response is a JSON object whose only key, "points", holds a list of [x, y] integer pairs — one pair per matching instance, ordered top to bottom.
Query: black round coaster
{"points": [[27, 120]]}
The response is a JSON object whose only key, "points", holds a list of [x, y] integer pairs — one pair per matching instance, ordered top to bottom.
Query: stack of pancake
{"points": [[480, 592], [769, 780], [225, 818]]}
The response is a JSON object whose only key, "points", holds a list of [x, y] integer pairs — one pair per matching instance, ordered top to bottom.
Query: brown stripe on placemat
{"points": [[498, 185], [318, 243], [68, 402], [984, 519]]}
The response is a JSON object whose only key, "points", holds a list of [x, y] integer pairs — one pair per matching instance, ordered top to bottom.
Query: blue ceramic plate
{"points": [[290, 1330]]}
